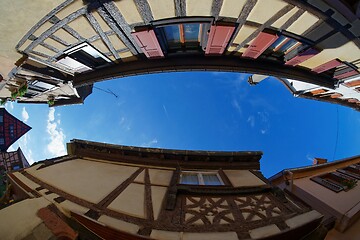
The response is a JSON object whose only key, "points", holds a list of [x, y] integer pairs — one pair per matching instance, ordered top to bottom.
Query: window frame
{"points": [[205, 24], [295, 49], [90, 63], [349, 171], [201, 181], [330, 181]]}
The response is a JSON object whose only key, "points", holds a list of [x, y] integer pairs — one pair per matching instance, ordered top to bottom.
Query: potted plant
{"points": [[22, 90], [19, 92], [51, 100]]}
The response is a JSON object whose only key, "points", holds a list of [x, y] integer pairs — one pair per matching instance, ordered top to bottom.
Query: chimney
{"points": [[318, 161]]}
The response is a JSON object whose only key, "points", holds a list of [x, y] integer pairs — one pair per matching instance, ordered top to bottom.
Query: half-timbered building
{"points": [[56, 47], [11, 129], [15, 160], [331, 188], [103, 191]]}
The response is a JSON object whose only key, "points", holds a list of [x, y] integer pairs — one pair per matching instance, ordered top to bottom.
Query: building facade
{"points": [[63, 45], [11, 129], [10, 161], [330, 188], [116, 192]]}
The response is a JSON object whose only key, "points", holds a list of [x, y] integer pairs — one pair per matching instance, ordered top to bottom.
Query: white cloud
{"points": [[236, 105], [9, 106], [166, 112], [25, 115], [51, 115], [264, 116], [122, 120], [251, 121], [125, 124], [150, 143], [23, 144], [56, 147], [309, 157]]}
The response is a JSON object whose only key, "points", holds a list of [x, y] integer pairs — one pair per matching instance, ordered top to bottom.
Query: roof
{"points": [[11, 129], [166, 157], [314, 169]]}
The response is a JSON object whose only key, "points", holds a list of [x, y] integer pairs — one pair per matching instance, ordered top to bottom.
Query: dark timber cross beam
{"points": [[203, 63]]}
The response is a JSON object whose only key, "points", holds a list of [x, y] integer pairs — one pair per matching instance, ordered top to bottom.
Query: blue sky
{"points": [[197, 111]]}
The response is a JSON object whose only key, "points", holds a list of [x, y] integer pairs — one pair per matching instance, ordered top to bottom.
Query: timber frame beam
{"points": [[203, 63]]}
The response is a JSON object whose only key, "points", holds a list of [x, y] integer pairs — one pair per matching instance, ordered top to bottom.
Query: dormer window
{"points": [[83, 57], [201, 178]]}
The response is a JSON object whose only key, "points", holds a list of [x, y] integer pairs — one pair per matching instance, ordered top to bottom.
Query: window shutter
{"points": [[218, 39], [148, 43], [260, 44], [302, 57], [326, 66], [347, 74], [328, 184]]}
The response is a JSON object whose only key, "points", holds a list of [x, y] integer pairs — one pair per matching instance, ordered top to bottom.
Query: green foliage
{"points": [[20, 92], [14, 95], [3, 101], [51, 102], [349, 183]]}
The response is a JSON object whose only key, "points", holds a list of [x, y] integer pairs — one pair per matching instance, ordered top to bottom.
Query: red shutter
{"points": [[218, 39], [148, 43], [260, 44], [302, 57], [326, 66], [347, 74], [352, 83]]}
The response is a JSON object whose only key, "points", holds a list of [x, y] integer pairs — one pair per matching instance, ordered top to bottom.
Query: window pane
{"points": [[191, 32], [172, 33], [278, 42], [288, 45], [189, 178], [211, 179]]}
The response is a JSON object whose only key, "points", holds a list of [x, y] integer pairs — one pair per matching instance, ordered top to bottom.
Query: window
{"points": [[186, 36], [182, 37], [284, 48], [83, 57], [38, 86], [31, 93], [1, 118], [11, 130], [2, 141], [16, 167], [352, 171], [201, 178], [335, 181]]}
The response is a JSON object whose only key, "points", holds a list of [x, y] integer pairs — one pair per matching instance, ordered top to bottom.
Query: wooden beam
{"points": [[144, 9], [94, 23], [268, 23], [204, 63]]}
